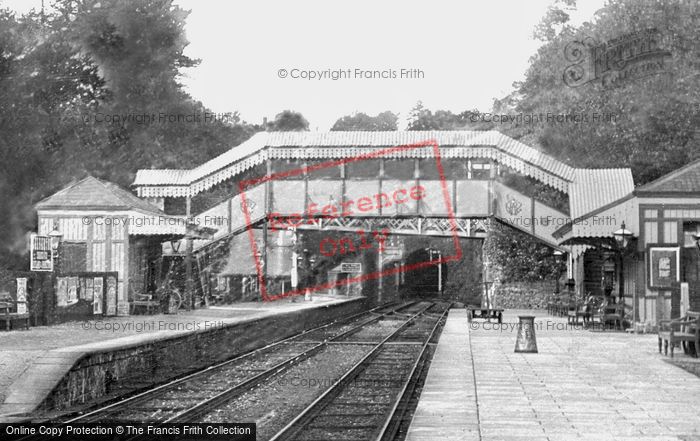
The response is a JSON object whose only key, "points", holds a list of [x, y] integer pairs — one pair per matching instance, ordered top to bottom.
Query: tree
{"points": [[61, 74], [656, 117], [421, 118], [288, 121], [361, 121]]}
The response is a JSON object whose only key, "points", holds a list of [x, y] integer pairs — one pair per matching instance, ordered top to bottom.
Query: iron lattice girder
{"points": [[429, 226]]}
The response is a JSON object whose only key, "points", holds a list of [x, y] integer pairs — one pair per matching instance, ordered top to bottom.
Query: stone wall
{"points": [[523, 295], [129, 368]]}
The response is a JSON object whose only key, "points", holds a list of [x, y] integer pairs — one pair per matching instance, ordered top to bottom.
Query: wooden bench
{"points": [[144, 301], [562, 305], [579, 310], [584, 310], [484, 313], [611, 313], [6, 314], [688, 333]]}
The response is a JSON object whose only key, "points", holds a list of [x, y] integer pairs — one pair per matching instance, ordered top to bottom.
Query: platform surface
{"points": [[33, 360], [582, 384], [447, 407]]}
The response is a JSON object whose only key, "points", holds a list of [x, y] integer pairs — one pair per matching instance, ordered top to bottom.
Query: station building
{"points": [[213, 213], [656, 274]]}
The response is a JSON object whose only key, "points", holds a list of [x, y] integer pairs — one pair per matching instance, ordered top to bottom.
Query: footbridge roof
{"points": [[334, 145]]}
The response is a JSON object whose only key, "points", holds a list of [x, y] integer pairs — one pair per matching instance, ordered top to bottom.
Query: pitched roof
{"points": [[464, 138], [683, 180], [594, 188], [95, 194]]}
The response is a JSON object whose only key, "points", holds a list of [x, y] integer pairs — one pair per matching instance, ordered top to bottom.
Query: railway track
{"points": [[186, 398], [370, 401]]}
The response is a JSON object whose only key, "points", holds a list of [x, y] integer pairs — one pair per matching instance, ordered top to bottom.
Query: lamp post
{"points": [[55, 236], [623, 236], [437, 253], [558, 258]]}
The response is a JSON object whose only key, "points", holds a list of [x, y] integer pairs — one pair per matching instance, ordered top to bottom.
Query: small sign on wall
{"points": [[41, 258], [664, 265], [351, 267], [62, 291], [21, 295], [98, 296], [111, 296]]}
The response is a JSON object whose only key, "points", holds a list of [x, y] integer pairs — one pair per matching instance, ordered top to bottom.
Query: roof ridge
{"points": [[534, 156], [669, 175], [65, 189]]}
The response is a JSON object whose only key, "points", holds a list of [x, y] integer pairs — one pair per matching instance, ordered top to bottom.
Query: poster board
{"points": [[40, 253], [664, 266], [72, 290], [61, 291], [86, 293], [21, 295], [98, 295], [111, 296]]}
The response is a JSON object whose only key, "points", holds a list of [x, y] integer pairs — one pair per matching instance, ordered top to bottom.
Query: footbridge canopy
{"points": [[456, 171]]}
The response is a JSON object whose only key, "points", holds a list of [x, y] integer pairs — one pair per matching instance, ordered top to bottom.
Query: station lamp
{"points": [[55, 236], [623, 236], [696, 238], [558, 256]]}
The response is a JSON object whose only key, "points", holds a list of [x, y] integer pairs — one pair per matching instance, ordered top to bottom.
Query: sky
{"points": [[257, 56]]}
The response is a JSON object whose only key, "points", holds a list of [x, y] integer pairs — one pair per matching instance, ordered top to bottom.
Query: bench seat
{"points": [[144, 301], [485, 313], [8, 317], [687, 335]]}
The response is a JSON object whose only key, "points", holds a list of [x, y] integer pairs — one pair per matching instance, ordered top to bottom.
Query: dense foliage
{"points": [[92, 87], [656, 116], [361, 121], [652, 122], [513, 256]]}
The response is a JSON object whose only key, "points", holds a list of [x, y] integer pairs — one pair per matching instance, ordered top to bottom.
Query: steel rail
{"points": [[133, 401], [216, 401], [395, 417], [294, 427]]}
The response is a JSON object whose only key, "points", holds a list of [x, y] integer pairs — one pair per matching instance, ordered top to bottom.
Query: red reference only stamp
{"points": [[403, 194]]}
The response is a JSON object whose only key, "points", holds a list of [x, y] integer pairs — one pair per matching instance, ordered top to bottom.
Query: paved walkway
{"points": [[21, 350], [581, 385], [447, 409]]}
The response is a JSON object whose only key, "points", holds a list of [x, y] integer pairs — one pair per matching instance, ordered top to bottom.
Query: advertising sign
{"points": [[41, 258], [664, 264]]}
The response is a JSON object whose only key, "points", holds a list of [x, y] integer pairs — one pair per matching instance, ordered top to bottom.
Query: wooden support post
{"points": [[268, 205], [189, 294]]}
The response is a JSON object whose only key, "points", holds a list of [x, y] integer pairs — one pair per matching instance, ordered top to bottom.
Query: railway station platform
{"points": [[53, 365], [582, 384]]}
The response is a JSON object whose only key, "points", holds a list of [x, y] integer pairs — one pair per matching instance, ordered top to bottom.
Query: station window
{"points": [[288, 165], [364, 168], [452, 168], [455, 168], [399, 169], [480, 169], [324, 171], [651, 214], [651, 232], [670, 232]]}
